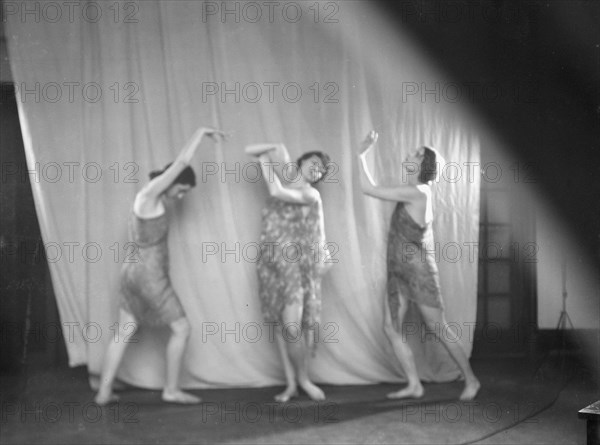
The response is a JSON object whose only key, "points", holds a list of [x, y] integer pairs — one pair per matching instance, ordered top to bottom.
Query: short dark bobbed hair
{"points": [[324, 157], [429, 165], [186, 177]]}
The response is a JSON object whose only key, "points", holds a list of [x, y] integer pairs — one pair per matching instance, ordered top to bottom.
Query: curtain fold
{"points": [[140, 89]]}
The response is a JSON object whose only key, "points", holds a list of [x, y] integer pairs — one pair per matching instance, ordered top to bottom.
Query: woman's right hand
{"points": [[325, 260]]}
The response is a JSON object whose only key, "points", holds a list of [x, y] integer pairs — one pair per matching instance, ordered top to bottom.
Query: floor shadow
{"points": [[55, 406]]}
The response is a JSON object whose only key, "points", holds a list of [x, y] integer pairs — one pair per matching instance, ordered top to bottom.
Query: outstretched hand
{"points": [[215, 134], [369, 141]]}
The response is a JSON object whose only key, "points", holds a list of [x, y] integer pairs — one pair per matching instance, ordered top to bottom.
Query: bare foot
{"points": [[471, 390], [290, 391], [313, 391], [410, 392], [178, 396], [106, 398]]}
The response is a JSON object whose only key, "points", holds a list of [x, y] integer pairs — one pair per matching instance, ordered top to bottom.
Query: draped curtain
{"points": [[103, 100]]}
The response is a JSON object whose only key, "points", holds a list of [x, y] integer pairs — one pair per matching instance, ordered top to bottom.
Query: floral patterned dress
{"points": [[289, 268], [411, 268], [146, 290]]}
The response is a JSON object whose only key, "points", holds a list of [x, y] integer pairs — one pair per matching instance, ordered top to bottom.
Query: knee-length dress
{"points": [[411, 268], [289, 270], [146, 290]]}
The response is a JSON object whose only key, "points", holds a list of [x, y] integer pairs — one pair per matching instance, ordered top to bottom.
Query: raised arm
{"points": [[278, 155], [161, 183], [277, 190], [403, 193]]}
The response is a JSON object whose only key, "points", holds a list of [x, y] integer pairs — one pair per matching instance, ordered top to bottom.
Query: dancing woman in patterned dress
{"points": [[293, 259], [412, 271], [147, 296]]}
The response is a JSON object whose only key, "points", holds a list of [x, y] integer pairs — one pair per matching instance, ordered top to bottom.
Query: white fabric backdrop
{"points": [[166, 62]]}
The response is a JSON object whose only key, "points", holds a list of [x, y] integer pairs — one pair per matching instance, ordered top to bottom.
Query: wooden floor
{"points": [[518, 403]]}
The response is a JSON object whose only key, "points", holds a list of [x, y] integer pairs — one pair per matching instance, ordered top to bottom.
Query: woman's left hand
{"points": [[215, 134], [369, 141], [325, 261]]}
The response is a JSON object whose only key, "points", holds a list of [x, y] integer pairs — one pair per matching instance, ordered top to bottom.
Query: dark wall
{"points": [[545, 57]]}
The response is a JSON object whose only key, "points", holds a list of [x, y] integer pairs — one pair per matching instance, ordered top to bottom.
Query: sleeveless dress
{"points": [[411, 268], [289, 270], [146, 290]]}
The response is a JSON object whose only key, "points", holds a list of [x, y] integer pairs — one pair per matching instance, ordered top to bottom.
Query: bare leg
{"points": [[434, 318], [180, 331], [298, 350], [405, 356], [113, 357], [290, 375], [94, 381], [313, 391]]}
